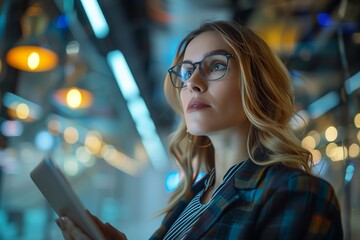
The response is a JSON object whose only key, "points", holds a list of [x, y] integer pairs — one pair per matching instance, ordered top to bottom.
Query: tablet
{"points": [[60, 195]]}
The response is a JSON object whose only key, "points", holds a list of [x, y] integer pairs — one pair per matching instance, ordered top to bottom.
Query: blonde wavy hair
{"points": [[267, 100]]}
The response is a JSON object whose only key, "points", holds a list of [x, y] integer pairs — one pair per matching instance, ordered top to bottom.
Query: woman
{"points": [[235, 102]]}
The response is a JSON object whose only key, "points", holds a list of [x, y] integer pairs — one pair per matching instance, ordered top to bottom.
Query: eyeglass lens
{"points": [[212, 67]]}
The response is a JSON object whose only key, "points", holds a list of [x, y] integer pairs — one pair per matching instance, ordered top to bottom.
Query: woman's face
{"points": [[211, 106]]}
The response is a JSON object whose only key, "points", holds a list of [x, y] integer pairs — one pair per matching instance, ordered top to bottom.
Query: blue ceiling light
{"points": [[96, 18], [324, 19], [62, 21], [123, 75], [353, 83], [323, 104], [138, 110], [44, 141], [350, 169], [172, 181]]}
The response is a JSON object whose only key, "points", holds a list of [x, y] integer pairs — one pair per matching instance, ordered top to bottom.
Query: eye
{"points": [[217, 66], [185, 73]]}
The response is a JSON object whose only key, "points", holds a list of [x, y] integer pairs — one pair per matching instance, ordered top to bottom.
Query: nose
{"points": [[196, 83]]}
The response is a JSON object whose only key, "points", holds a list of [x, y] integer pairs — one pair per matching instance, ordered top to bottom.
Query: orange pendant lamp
{"points": [[30, 54], [74, 98]]}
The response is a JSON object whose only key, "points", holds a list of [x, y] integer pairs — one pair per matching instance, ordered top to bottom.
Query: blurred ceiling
{"points": [[319, 42]]}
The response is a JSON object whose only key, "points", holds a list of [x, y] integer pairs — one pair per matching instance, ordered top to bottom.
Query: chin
{"points": [[197, 129], [199, 132]]}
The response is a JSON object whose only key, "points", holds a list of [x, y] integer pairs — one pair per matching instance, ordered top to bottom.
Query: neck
{"points": [[230, 149]]}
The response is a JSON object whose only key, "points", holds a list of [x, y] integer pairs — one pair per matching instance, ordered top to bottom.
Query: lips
{"points": [[195, 105]]}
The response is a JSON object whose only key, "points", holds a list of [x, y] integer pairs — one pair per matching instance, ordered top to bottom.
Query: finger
{"points": [[95, 218], [98, 222], [64, 231], [71, 231], [109, 231], [113, 233], [77, 234]]}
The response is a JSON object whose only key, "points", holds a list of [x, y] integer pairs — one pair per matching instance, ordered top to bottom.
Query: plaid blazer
{"points": [[271, 202]]}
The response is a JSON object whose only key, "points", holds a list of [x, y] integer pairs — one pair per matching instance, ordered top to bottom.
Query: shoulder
{"points": [[280, 175], [281, 180], [307, 202]]}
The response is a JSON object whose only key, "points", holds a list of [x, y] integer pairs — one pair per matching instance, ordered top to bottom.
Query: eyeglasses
{"points": [[212, 67]]}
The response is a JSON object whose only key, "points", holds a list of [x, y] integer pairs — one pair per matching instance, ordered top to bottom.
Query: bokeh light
{"points": [[33, 60], [73, 98], [22, 111], [357, 120], [55, 126], [12, 128], [331, 134], [71, 135], [316, 135], [44, 140], [93, 142], [308, 142], [329, 149], [354, 150], [108, 152], [339, 153], [316, 156], [84, 157], [71, 166], [172, 181]]}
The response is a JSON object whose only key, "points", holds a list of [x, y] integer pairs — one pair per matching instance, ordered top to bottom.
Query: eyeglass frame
{"points": [[171, 69]]}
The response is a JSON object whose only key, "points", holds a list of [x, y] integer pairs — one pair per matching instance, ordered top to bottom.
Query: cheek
{"points": [[227, 96], [184, 99], [229, 102]]}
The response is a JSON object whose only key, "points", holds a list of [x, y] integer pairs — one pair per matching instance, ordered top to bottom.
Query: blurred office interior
{"points": [[95, 105]]}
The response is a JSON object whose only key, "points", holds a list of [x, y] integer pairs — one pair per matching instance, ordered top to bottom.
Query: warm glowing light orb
{"points": [[33, 60], [74, 98], [22, 111], [357, 120], [331, 133], [71, 135], [93, 142], [309, 142], [329, 148], [354, 150], [339, 153], [316, 156]]}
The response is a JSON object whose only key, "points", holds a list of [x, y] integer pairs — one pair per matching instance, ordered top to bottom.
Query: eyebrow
{"points": [[209, 53]]}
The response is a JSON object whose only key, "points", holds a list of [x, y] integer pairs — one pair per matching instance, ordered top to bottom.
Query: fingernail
{"points": [[63, 221], [58, 222]]}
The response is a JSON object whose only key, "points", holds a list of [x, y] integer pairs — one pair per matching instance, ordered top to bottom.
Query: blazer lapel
{"points": [[247, 177], [210, 215], [171, 217]]}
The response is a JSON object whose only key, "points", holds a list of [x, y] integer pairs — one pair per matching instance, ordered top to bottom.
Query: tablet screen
{"points": [[58, 192]]}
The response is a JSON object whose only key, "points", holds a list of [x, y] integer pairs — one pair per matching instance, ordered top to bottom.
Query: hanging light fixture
{"points": [[31, 53], [74, 98]]}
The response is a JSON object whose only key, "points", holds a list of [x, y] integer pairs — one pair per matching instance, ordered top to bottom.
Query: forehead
{"points": [[204, 44]]}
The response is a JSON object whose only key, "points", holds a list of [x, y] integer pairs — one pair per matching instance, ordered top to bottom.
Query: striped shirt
{"points": [[265, 203], [195, 208]]}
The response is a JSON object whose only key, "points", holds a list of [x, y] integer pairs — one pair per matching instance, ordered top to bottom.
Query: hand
{"points": [[109, 231], [71, 232]]}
